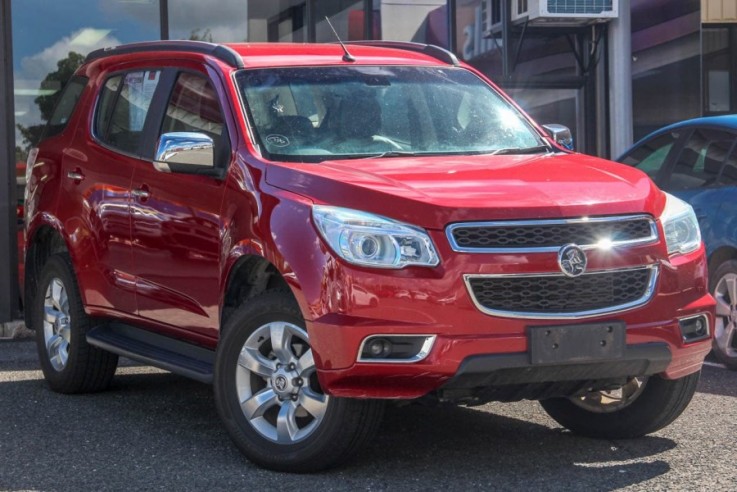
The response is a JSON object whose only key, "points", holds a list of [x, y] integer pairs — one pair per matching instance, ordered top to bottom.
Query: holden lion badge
{"points": [[572, 260]]}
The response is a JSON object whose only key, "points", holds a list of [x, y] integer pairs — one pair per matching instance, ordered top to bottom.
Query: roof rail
{"points": [[428, 49], [219, 51]]}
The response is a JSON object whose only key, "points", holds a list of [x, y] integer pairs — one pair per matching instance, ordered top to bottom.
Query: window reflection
{"points": [[346, 16], [218, 22], [48, 48]]}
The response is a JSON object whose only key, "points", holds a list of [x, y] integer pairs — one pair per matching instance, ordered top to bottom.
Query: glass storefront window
{"points": [[346, 16], [224, 21], [277, 21], [421, 22], [50, 40], [666, 63], [718, 65]]}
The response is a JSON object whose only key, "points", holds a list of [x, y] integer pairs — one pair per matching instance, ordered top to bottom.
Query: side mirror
{"points": [[561, 134], [185, 152]]}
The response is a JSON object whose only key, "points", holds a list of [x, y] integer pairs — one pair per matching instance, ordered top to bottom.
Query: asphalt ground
{"points": [[156, 431]]}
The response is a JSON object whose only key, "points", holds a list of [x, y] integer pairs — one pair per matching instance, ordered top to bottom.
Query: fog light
{"points": [[694, 328], [379, 348], [395, 348]]}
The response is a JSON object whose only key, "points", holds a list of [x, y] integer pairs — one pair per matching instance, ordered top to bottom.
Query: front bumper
{"points": [[465, 336]]}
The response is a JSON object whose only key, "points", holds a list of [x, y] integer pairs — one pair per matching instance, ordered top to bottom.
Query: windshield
{"points": [[311, 114]]}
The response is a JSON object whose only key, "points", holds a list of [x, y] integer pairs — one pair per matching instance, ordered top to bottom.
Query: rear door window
{"points": [[65, 107], [122, 109], [700, 161], [728, 176]]}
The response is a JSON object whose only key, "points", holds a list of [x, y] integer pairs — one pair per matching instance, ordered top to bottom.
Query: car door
{"points": [[694, 176], [97, 178], [176, 220]]}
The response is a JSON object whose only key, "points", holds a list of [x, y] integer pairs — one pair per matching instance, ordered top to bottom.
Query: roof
{"points": [[371, 53], [241, 55], [724, 121], [728, 121]]}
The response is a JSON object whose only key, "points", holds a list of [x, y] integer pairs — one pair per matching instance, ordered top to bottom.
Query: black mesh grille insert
{"points": [[550, 235], [565, 295]]}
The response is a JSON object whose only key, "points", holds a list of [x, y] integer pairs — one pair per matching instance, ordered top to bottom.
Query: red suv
{"points": [[316, 229]]}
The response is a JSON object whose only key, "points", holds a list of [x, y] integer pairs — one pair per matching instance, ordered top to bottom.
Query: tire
{"points": [[723, 286], [68, 362], [646, 405], [282, 434]]}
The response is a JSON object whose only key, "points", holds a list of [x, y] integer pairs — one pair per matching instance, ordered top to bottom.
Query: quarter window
{"points": [[65, 107], [123, 107], [729, 171]]}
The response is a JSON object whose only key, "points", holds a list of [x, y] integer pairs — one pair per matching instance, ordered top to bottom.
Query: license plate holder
{"points": [[576, 343]]}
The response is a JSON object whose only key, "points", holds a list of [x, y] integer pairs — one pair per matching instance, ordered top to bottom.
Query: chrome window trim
{"points": [[654, 236], [644, 299], [421, 355]]}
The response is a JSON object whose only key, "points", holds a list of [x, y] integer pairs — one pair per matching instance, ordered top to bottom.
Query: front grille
{"points": [[550, 234], [558, 296]]}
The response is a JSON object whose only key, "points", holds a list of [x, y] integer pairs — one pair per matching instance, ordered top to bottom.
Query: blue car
{"points": [[696, 160]]}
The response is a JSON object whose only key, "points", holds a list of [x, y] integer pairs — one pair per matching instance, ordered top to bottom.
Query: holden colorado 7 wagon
{"points": [[316, 229]]}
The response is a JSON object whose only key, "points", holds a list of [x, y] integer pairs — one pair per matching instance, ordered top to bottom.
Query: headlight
{"points": [[682, 234], [370, 240]]}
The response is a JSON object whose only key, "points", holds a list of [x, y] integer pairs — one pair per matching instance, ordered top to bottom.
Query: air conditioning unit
{"points": [[564, 12]]}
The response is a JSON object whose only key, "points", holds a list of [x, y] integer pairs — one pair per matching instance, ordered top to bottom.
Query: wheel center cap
{"points": [[280, 383], [283, 383]]}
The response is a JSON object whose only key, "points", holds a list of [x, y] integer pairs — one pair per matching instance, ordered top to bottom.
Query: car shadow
{"points": [[718, 381], [156, 426], [511, 452]]}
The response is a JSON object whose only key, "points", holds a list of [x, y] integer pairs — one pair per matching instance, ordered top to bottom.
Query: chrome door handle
{"points": [[75, 175], [139, 193]]}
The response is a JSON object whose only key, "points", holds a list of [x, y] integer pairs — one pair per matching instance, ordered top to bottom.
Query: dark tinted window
{"points": [[105, 105], [65, 107], [194, 107], [122, 109], [650, 156], [700, 160], [729, 170]]}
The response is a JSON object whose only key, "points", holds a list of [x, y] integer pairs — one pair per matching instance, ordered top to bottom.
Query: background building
{"points": [[682, 61]]}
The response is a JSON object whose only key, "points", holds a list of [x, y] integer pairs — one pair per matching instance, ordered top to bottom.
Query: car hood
{"points": [[436, 190]]}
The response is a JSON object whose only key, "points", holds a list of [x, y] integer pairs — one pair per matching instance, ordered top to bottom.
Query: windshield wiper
{"points": [[521, 150], [390, 153]]}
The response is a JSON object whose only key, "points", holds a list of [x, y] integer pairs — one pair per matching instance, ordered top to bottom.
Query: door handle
{"points": [[75, 175], [141, 193]]}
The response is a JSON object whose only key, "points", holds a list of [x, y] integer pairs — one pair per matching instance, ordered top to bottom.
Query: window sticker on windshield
{"points": [[277, 140]]}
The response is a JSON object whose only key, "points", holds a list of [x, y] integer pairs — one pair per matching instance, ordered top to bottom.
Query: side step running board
{"points": [[179, 357]]}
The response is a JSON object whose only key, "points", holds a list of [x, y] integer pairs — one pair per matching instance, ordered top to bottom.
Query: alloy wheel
{"points": [[725, 294], [57, 324], [277, 386], [607, 401]]}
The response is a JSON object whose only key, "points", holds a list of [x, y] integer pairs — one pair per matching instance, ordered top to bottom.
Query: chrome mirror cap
{"points": [[561, 134], [184, 149]]}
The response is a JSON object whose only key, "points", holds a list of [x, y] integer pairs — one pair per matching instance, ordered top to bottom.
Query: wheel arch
{"points": [[43, 240], [720, 255], [249, 275]]}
